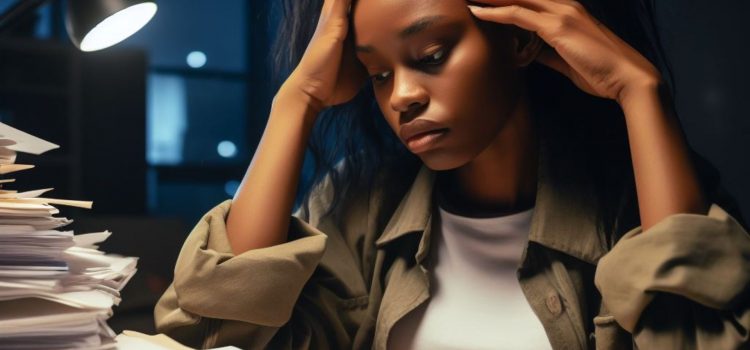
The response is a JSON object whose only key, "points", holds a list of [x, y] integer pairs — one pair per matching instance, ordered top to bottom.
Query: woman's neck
{"points": [[502, 179]]}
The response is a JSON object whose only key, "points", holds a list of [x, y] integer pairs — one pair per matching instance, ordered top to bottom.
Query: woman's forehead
{"points": [[397, 17]]}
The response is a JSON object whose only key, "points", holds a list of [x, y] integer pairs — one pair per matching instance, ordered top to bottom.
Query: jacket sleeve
{"points": [[681, 284], [263, 298]]}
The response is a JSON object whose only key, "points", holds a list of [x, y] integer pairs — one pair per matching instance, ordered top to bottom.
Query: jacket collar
{"points": [[564, 214]]}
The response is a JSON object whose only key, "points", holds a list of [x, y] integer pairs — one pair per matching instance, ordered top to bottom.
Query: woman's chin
{"points": [[440, 161]]}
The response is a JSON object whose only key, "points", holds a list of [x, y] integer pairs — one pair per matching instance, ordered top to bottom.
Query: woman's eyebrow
{"points": [[418, 26], [410, 30]]}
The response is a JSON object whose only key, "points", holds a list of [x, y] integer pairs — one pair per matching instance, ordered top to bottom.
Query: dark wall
{"points": [[707, 43], [93, 106]]}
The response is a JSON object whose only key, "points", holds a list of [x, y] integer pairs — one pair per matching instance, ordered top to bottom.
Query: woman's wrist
{"points": [[635, 90], [637, 98], [295, 101]]}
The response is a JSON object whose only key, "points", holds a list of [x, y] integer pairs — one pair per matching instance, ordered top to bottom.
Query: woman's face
{"points": [[431, 60]]}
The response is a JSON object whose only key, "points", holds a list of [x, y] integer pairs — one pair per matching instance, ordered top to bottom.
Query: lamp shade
{"points": [[97, 24]]}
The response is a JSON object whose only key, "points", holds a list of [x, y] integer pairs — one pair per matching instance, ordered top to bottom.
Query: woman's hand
{"points": [[581, 48], [602, 64], [329, 72]]}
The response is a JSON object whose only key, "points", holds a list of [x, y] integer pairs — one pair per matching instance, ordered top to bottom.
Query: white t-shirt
{"points": [[476, 301]]}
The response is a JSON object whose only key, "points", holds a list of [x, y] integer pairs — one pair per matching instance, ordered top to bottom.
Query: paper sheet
{"points": [[24, 142], [56, 289], [130, 340]]}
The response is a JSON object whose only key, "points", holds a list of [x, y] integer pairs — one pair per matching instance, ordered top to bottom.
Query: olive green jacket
{"points": [[342, 282]]}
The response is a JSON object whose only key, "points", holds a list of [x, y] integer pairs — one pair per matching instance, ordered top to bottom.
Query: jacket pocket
{"points": [[609, 335]]}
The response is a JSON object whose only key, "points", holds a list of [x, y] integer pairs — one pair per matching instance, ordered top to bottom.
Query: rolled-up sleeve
{"points": [[269, 279], [683, 282], [258, 287]]}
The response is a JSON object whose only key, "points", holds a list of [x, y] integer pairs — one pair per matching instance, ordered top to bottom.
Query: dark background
{"points": [[155, 143]]}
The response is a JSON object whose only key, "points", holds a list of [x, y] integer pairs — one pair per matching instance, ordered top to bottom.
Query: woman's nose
{"points": [[407, 93]]}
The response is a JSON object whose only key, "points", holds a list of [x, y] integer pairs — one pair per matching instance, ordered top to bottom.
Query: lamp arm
{"points": [[17, 12]]}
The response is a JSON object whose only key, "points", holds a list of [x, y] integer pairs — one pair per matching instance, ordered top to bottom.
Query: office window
{"points": [[200, 82]]}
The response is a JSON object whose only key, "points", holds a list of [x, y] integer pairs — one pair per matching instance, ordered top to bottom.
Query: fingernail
{"points": [[473, 8]]}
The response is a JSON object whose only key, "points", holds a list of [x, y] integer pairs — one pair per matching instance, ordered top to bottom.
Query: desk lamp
{"points": [[92, 24]]}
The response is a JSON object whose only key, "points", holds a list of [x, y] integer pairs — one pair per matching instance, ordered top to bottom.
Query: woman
{"points": [[498, 230]]}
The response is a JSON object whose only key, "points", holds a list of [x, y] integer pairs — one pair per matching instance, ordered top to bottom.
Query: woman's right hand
{"points": [[329, 72]]}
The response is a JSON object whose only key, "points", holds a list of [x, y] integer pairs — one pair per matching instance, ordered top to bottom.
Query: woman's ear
{"points": [[527, 45]]}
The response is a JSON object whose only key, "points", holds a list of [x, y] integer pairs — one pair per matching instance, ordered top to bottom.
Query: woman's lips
{"points": [[421, 133], [424, 141]]}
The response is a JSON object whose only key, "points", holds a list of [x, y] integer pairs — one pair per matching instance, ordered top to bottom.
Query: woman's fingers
{"points": [[530, 4], [536, 5], [552, 6], [338, 8], [514, 14], [542, 16], [334, 18], [587, 52], [326, 72]]}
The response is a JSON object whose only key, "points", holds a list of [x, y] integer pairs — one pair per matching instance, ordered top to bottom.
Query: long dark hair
{"points": [[357, 132]]}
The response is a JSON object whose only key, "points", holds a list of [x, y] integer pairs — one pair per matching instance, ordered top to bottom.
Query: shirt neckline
{"points": [[521, 215]]}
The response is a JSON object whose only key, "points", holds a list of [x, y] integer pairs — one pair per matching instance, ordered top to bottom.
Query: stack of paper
{"points": [[56, 288]]}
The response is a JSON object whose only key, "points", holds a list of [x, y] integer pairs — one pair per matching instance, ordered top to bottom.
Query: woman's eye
{"points": [[435, 58], [380, 76]]}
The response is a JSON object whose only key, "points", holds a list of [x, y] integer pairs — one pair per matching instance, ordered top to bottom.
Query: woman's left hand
{"points": [[581, 48]]}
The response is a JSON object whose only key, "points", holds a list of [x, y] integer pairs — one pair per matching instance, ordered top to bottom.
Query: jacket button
{"points": [[553, 303]]}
